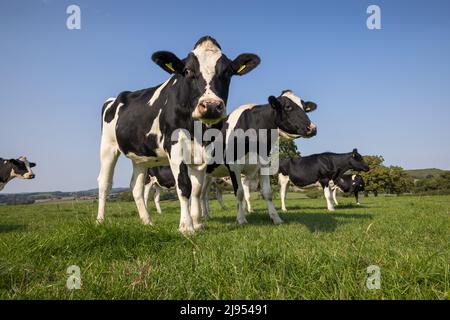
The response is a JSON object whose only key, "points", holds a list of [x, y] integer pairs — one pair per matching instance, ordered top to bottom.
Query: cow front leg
{"points": [[108, 159], [235, 175], [196, 176], [284, 183], [246, 186], [137, 187], [183, 187], [147, 190], [267, 194], [156, 197], [204, 197], [334, 197], [357, 197], [220, 198], [329, 198]]}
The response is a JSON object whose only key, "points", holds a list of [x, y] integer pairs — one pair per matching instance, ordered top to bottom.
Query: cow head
{"points": [[206, 74], [291, 118], [357, 162], [21, 168]]}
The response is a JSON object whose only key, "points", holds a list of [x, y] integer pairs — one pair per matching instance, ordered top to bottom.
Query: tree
{"points": [[288, 149], [379, 178]]}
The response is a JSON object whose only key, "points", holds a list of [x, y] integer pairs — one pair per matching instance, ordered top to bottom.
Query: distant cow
{"points": [[287, 115], [155, 126], [15, 168], [323, 168], [161, 178], [349, 184]]}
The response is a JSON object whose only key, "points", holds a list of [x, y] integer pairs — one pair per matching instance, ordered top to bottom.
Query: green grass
{"points": [[314, 255]]}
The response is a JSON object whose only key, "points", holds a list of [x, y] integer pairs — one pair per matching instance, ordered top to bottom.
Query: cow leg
{"points": [[108, 160], [235, 174], [197, 177], [284, 183], [246, 186], [183, 187], [137, 188], [147, 190], [267, 194], [156, 197], [204, 197], [334, 197], [357, 197], [220, 198], [329, 198]]}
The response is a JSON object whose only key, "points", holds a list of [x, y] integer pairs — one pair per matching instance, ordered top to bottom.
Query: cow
{"points": [[285, 114], [154, 126], [15, 168], [323, 168], [161, 178], [348, 183]]}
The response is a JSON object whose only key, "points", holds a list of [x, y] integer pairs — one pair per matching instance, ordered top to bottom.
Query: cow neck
{"points": [[265, 116], [5, 172]]}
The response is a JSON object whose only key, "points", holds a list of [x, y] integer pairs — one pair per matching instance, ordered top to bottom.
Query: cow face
{"points": [[206, 73], [291, 117], [357, 162], [21, 168]]}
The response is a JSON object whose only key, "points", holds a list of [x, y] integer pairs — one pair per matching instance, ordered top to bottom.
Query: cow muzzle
{"points": [[210, 111], [311, 130]]}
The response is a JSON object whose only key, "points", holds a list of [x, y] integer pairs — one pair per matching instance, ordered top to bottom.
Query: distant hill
{"points": [[424, 173], [35, 197]]}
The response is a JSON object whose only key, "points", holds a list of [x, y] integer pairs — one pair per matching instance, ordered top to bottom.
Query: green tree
{"points": [[288, 149]]}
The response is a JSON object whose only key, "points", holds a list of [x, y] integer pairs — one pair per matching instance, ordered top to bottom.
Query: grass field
{"points": [[314, 255]]}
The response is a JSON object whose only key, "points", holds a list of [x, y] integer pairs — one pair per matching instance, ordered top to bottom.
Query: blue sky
{"points": [[383, 91]]}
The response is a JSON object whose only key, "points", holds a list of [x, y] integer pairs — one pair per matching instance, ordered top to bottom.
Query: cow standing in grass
{"points": [[285, 114], [154, 126], [15, 168], [324, 168], [161, 178], [349, 183]]}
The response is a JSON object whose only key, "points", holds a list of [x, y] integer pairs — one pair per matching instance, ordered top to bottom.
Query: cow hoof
{"points": [[358, 203], [331, 209], [284, 210], [277, 220], [99, 221], [242, 221], [147, 222], [199, 227], [186, 229]]}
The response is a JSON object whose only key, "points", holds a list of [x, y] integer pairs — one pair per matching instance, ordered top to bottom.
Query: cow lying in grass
{"points": [[323, 167], [15, 168]]}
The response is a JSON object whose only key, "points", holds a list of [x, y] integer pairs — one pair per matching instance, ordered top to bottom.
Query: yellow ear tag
{"points": [[169, 66], [241, 68]]}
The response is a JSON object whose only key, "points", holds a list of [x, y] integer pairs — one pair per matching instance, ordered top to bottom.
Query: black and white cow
{"points": [[285, 114], [154, 126], [15, 168], [322, 168], [161, 178], [348, 183]]}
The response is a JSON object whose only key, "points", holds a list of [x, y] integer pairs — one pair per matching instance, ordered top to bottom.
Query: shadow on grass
{"points": [[340, 206], [315, 222], [12, 227]]}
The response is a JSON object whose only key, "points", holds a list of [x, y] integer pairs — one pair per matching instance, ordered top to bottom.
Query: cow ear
{"points": [[168, 61], [245, 63], [274, 103], [309, 106], [354, 152], [32, 164]]}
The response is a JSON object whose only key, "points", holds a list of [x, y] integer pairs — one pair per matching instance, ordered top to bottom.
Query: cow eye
{"points": [[188, 73], [288, 108]]}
